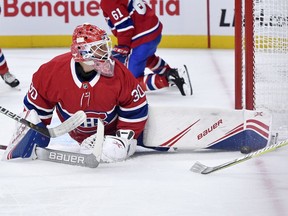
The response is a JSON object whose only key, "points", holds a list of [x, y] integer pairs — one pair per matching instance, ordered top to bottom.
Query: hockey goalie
{"points": [[89, 79]]}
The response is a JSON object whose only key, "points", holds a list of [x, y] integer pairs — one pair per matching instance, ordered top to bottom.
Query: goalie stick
{"points": [[74, 121], [71, 158], [203, 169]]}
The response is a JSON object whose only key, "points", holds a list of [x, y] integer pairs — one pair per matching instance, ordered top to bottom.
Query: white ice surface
{"points": [[150, 183]]}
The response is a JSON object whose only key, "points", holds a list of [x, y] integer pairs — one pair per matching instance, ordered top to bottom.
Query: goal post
{"points": [[261, 59]]}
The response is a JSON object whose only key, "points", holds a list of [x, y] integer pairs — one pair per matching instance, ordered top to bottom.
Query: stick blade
{"points": [[70, 124], [65, 157], [199, 168]]}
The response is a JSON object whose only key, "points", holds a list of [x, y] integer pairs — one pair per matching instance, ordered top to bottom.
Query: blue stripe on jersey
{"points": [[130, 7], [110, 24], [126, 24], [121, 26], [149, 31], [41, 112], [64, 114], [136, 115], [107, 117]]}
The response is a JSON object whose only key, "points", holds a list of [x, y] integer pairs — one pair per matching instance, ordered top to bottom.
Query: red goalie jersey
{"points": [[132, 22], [119, 100]]}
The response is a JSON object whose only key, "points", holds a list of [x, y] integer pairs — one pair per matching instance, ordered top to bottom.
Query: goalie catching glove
{"points": [[24, 139], [115, 148]]}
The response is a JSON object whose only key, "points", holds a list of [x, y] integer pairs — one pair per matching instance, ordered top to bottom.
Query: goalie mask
{"points": [[92, 46]]}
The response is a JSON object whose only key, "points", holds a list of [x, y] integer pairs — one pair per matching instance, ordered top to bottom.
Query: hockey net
{"points": [[261, 59]]}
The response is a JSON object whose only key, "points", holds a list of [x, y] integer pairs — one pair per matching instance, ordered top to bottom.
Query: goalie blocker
{"points": [[25, 139]]}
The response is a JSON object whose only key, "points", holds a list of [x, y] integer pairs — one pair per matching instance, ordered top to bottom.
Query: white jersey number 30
{"points": [[137, 93]]}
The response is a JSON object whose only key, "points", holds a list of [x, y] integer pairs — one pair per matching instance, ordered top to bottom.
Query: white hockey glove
{"points": [[24, 139], [88, 144], [120, 147], [115, 148]]}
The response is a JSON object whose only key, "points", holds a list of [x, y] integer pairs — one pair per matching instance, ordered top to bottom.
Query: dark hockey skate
{"points": [[10, 79], [183, 83]]}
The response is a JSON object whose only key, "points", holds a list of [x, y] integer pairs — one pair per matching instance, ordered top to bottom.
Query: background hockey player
{"points": [[138, 31], [5, 74], [87, 79]]}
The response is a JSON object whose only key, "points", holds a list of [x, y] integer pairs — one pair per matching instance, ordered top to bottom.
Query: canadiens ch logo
{"points": [[90, 125]]}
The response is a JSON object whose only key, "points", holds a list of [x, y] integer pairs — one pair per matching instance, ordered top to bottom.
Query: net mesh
{"points": [[270, 31]]}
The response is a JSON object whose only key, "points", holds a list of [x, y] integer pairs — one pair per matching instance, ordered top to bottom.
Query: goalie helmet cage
{"points": [[261, 59]]}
